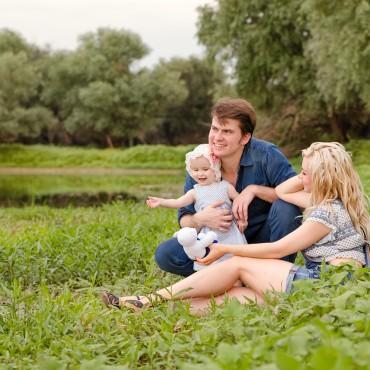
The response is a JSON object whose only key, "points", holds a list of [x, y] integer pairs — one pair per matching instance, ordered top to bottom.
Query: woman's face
{"points": [[305, 175]]}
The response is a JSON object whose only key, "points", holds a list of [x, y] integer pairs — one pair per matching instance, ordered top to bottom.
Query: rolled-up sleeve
{"points": [[278, 168], [188, 210]]}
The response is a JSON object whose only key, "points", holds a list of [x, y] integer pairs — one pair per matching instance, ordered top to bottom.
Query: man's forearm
{"points": [[264, 192], [190, 221]]}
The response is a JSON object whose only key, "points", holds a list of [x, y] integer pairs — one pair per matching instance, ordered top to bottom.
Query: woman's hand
{"points": [[216, 252]]}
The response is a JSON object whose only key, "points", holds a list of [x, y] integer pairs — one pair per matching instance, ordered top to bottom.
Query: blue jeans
{"points": [[282, 219], [310, 271]]}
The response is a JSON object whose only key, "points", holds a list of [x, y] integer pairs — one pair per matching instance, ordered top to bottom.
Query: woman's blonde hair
{"points": [[333, 177]]}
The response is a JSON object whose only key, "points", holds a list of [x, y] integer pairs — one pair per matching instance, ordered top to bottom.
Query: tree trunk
{"points": [[339, 126], [109, 141]]}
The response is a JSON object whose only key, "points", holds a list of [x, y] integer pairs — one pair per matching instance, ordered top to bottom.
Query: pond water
{"points": [[62, 190]]}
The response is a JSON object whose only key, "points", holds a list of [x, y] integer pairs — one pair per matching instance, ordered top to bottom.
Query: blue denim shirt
{"points": [[261, 163]]}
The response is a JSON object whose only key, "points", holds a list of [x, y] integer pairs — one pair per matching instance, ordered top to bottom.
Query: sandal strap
{"points": [[135, 302]]}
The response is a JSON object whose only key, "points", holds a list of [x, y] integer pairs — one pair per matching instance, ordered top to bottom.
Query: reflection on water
{"points": [[85, 190]]}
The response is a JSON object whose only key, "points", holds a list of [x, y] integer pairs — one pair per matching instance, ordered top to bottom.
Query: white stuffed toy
{"points": [[195, 244]]}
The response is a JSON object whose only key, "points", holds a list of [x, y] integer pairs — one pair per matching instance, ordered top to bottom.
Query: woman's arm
{"points": [[292, 191], [183, 201], [303, 237]]}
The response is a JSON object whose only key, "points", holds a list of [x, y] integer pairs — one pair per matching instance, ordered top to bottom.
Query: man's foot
{"points": [[110, 299]]}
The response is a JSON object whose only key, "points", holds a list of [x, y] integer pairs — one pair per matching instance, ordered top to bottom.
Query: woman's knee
{"points": [[237, 262]]}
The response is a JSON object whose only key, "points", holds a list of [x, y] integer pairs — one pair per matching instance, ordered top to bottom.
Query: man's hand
{"points": [[153, 202], [241, 204], [214, 217], [242, 225], [216, 252]]}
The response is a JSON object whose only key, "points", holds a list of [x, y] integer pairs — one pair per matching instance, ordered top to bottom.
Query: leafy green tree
{"points": [[12, 42], [262, 43], [339, 51], [111, 53], [313, 54], [19, 81], [79, 85], [99, 94], [188, 121]]}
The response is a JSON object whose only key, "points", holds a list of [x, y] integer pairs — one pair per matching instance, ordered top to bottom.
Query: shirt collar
{"points": [[246, 159]]}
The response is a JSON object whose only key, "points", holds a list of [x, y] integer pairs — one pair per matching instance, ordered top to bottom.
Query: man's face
{"points": [[226, 138]]}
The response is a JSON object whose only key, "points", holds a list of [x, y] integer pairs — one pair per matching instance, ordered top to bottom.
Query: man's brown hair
{"points": [[238, 109]]}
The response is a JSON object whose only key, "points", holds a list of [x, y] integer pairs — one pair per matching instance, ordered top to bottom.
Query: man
{"points": [[254, 167]]}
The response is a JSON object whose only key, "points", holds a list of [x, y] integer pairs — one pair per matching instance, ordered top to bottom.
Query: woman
{"points": [[335, 230]]}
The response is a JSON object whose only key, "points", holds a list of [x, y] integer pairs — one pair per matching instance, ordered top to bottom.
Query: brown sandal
{"points": [[110, 299], [133, 304]]}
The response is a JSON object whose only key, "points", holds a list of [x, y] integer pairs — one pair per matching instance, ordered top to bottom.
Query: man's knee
{"points": [[281, 208], [286, 214], [162, 254], [170, 257]]}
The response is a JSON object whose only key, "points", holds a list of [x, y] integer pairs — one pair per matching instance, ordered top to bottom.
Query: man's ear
{"points": [[245, 138]]}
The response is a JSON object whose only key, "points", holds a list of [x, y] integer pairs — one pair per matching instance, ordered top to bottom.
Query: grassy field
{"points": [[142, 156], [54, 263]]}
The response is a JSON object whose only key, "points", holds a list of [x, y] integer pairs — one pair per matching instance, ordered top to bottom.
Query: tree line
{"points": [[304, 64], [98, 95]]}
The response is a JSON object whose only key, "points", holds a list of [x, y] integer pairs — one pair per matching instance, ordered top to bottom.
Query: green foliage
{"points": [[263, 41], [12, 42], [312, 54], [341, 72], [18, 79], [97, 94], [20, 114], [188, 121], [55, 263]]}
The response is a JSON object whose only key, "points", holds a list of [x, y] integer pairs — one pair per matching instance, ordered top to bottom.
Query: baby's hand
{"points": [[153, 202], [242, 225]]}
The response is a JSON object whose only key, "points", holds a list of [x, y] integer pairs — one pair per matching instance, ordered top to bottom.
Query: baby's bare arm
{"points": [[183, 201]]}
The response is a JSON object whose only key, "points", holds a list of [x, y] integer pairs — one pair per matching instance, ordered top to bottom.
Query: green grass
{"points": [[143, 156], [55, 262]]}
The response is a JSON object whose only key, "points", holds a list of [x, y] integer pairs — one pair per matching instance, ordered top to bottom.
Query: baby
{"points": [[206, 171]]}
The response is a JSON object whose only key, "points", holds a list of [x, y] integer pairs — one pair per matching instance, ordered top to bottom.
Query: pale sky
{"points": [[168, 27]]}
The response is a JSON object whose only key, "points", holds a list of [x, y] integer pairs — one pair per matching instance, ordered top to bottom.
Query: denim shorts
{"points": [[300, 273]]}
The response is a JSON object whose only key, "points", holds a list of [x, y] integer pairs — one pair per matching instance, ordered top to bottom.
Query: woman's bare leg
{"points": [[260, 275], [201, 306]]}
